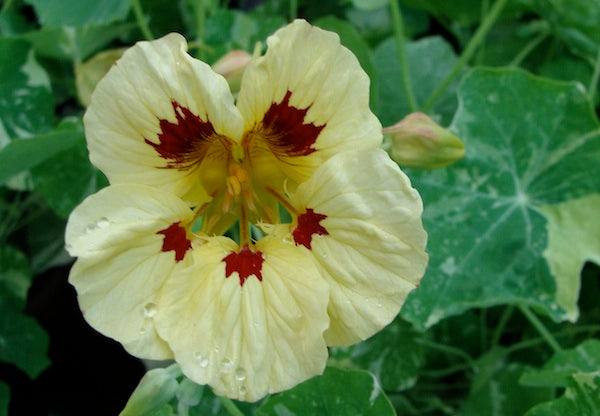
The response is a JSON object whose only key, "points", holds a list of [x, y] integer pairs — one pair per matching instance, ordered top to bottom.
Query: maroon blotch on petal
{"points": [[285, 129], [184, 142], [308, 225], [175, 239], [246, 263]]}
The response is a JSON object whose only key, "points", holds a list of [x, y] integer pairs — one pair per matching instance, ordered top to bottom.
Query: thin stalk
{"points": [[485, 8], [293, 9], [200, 14], [141, 20], [399, 36], [527, 49], [468, 53], [595, 78], [283, 201], [244, 225], [508, 311], [539, 326], [484, 329], [448, 349], [444, 372], [230, 406]]}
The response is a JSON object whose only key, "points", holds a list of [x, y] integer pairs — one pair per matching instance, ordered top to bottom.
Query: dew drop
{"points": [[103, 222], [150, 309], [143, 330], [202, 360], [226, 365], [240, 374], [243, 391]]}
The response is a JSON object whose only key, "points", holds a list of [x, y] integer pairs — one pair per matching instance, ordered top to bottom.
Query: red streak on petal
{"points": [[286, 131], [184, 142], [308, 225], [175, 240], [246, 263]]}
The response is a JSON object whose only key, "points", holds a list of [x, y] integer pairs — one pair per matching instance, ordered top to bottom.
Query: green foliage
{"points": [[79, 13], [430, 60], [26, 106], [530, 142], [514, 224], [22, 341], [394, 356], [336, 392], [581, 398], [4, 399]]}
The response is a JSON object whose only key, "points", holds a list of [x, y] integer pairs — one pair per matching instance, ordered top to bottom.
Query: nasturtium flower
{"points": [[186, 163]]}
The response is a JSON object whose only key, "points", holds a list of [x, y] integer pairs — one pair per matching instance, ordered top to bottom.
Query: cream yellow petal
{"points": [[309, 84], [153, 117], [361, 220], [129, 239], [247, 339]]}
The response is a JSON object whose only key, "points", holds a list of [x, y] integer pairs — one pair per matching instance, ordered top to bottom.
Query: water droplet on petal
{"points": [[103, 222], [150, 309], [143, 330], [202, 360], [226, 365], [240, 374], [243, 391]]}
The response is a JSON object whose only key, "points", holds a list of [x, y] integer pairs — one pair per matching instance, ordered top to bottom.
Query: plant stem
{"points": [[293, 9], [141, 20], [527, 49], [401, 51], [467, 54], [595, 78], [508, 311], [539, 326], [536, 341], [448, 349], [446, 371], [230, 406]]}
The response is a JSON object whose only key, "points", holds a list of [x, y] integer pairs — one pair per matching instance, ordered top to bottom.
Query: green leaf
{"points": [[369, 4], [465, 12], [79, 13], [162, 17], [575, 22], [376, 25], [231, 29], [352, 40], [75, 44], [430, 60], [26, 106], [530, 142], [21, 155], [71, 167], [573, 239], [45, 242], [15, 274], [22, 341], [393, 355], [558, 370], [494, 389], [154, 392], [336, 392], [582, 398], [4, 399]]}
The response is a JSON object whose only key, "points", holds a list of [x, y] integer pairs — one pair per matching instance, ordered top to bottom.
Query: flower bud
{"points": [[232, 66], [89, 73], [418, 141]]}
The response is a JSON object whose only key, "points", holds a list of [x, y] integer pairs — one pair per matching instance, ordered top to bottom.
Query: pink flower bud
{"points": [[232, 66], [418, 141]]}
